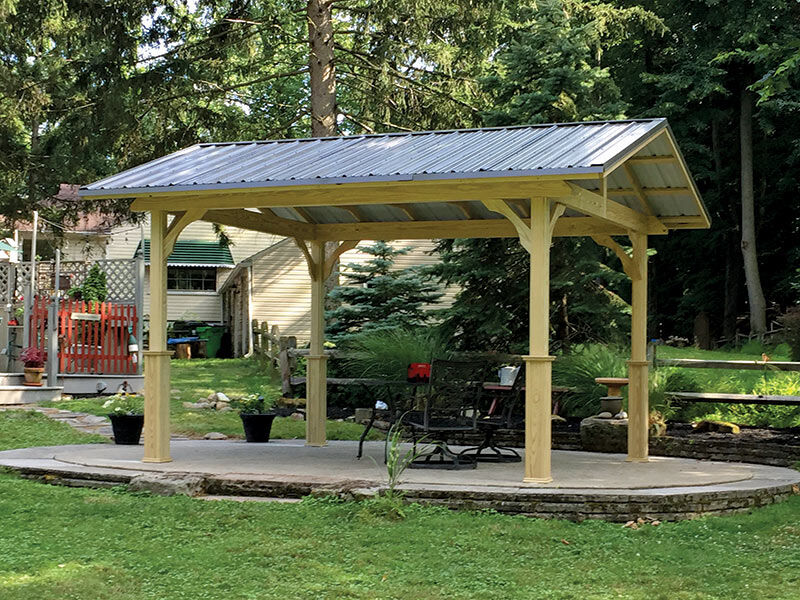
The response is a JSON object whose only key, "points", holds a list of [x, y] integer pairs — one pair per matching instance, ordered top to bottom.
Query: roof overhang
{"points": [[630, 176]]}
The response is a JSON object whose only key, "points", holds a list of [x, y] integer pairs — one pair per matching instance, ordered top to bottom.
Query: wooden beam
{"points": [[652, 160], [637, 188], [667, 191], [407, 192], [594, 205], [523, 207], [357, 213], [555, 213], [304, 215], [688, 222], [265, 223], [178, 224], [464, 228], [523, 229], [310, 262], [330, 262], [628, 265], [316, 384]]}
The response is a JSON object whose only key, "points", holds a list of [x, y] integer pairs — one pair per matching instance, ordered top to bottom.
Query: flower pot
{"points": [[33, 376], [257, 427], [127, 428]]}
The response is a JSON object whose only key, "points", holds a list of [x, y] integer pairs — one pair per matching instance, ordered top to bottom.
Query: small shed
{"points": [[596, 179]]}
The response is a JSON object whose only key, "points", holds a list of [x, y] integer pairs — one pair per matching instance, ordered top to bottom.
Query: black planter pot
{"points": [[257, 427], [127, 428]]}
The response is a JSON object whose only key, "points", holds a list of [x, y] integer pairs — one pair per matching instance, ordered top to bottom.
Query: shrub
{"points": [[791, 331], [666, 380], [254, 404]]}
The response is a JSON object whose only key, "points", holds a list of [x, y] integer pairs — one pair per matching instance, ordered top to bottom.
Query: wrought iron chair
{"points": [[448, 406], [509, 416]]}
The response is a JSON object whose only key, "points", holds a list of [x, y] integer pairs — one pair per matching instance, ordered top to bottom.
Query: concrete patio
{"points": [[586, 485]]}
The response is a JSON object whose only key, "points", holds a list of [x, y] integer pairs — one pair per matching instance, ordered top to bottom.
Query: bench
{"points": [[735, 398]]}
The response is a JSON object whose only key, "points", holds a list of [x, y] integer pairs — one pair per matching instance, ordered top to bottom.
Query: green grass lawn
{"points": [[194, 380], [62, 543]]}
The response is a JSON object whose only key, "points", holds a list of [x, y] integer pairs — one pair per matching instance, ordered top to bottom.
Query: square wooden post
{"points": [[156, 358], [538, 364], [316, 381], [638, 401]]}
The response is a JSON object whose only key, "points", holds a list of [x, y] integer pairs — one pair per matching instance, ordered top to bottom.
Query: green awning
{"points": [[193, 253]]}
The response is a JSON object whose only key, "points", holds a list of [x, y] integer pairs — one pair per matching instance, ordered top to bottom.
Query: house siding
{"points": [[282, 288]]}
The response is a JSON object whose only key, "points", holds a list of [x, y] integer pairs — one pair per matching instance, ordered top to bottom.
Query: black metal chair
{"points": [[448, 406], [508, 417]]}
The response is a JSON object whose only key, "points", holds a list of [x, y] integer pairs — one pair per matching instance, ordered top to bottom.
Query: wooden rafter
{"points": [[652, 160], [637, 189], [658, 191], [593, 204], [266, 222]]}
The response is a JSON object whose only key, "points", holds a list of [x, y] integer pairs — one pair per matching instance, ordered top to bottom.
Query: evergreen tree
{"points": [[379, 297]]}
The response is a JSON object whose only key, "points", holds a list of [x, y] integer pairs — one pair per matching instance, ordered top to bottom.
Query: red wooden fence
{"points": [[88, 346]]}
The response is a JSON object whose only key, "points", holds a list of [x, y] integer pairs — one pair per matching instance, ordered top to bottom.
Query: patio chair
{"points": [[448, 406], [508, 417]]}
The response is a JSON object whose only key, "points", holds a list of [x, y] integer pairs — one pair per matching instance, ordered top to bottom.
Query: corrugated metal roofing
{"points": [[555, 149], [193, 253]]}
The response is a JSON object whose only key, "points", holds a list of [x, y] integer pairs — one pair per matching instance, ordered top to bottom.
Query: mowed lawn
{"points": [[194, 380], [61, 543]]}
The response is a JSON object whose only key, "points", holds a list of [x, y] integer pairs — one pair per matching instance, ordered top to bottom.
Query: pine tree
{"points": [[376, 296]]}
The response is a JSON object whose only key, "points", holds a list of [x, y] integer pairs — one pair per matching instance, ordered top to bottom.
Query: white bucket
{"points": [[507, 375]]}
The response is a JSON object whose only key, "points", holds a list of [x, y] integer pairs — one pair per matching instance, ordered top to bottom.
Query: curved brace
{"points": [[500, 206], [182, 220]]}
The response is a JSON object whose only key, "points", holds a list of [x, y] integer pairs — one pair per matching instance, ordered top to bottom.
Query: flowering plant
{"points": [[32, 358], [125, 404]]}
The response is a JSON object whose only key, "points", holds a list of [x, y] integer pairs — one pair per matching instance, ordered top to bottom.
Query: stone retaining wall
{"points": [[729, 449]]}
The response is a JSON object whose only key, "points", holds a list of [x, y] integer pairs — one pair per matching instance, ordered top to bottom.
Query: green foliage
{"points": [[94, 288], [377, 296], [791, 331], [386, 354], [578, 371], [125, 404], [254, 404]]}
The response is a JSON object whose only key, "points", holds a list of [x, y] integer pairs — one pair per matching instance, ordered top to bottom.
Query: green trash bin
{"points": [[213, 337]]}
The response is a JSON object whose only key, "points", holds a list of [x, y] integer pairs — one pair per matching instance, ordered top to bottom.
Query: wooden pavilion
{"points": [[598, 179]]}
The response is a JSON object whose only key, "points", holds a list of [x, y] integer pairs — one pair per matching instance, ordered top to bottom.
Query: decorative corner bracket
{"points": [[182, 220], [330, 260], [631, 266]]}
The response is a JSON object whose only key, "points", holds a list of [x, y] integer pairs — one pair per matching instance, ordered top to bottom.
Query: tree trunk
{"points": [[322, 71], [322, 83], [758, 306]]}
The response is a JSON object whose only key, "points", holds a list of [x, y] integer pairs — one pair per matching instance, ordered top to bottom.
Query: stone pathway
{"points": [[84, 422]]}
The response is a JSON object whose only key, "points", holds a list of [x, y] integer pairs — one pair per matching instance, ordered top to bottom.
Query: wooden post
{"points": [[156, 358], [538, 364], [316, 383], [638, 405]]}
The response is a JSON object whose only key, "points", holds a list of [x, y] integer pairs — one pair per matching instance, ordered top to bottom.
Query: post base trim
{"points": [[531, 358], [638, 363], [313, 445], [637, 459], [156, 460], [537, 480]]}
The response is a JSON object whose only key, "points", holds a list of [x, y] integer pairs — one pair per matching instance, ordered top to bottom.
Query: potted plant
{"points": [[33, 359], [126, 412], [256, 417]]}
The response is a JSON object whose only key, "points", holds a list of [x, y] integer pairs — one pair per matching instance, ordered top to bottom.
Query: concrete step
{"points": [[11, 395]]}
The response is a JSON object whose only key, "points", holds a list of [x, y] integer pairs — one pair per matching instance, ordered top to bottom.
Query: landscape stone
{"points": [[212, 397], [221, 397], [198, 405], [224, 408], [604, 415], [297, 416], [716, 426], [604, 434], [215, 435], [168, 484]]}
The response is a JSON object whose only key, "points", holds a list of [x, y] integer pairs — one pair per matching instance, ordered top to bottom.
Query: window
{"points": [[191, 279]]}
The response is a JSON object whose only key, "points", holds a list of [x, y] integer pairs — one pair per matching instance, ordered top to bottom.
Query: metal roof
{"points": [[549, 149], [193, 253]]}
